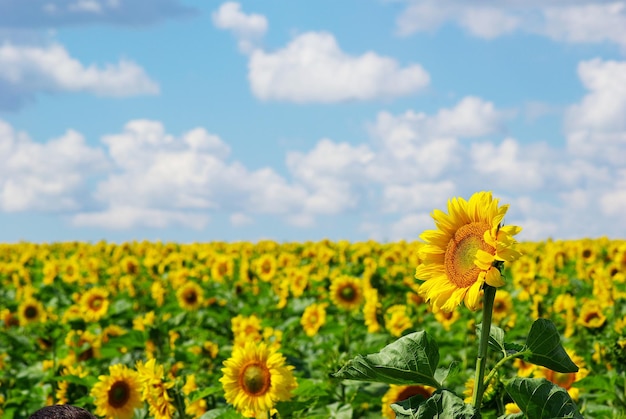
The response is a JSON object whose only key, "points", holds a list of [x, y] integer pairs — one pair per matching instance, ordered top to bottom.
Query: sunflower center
{"points": [[461, 253], [348, 294], [191, 297], [96, 303], [31, 312], [593, 319], [255, 379], [411, 391], [119, 394]]}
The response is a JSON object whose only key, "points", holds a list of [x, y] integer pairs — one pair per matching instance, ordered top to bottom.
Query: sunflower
{"points": [[465, 251], [265, 267], [222, 268], [346, 292], [190, 296], [94, 304], [370, 310], [30, 311], [591, 315], [313, 318], [397, 320], [246, 329], [255, 378], [565, 380], [155, 389], [397, 393], [117, 394]]}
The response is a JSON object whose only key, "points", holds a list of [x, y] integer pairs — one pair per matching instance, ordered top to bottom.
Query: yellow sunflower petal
{"points": [[494, 278]]}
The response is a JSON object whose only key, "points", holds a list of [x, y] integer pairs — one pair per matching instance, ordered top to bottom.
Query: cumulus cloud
{"points": [[34, 14], [577, 21], [248, 28], [313, 68], [28, 70], [596, 127], [45, 177], [158, 178]]}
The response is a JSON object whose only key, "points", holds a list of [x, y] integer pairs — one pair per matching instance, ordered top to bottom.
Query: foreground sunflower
{"points": [[465, 252], [255, 378], [117, 394]]}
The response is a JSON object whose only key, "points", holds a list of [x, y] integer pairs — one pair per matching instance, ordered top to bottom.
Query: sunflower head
{"points": [[467, 250], [346, 292], [190, 296], [255, 378], [117, 394]]}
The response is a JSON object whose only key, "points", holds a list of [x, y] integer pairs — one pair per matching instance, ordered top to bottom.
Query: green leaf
{"points": [[496, 338], [545, 344], [412, 359], [442, 374], [540, 398], [441, 404], [339, 411], [222, 413]]}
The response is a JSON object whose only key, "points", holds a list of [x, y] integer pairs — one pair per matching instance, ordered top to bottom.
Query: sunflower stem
{"points": [[483, 346]]}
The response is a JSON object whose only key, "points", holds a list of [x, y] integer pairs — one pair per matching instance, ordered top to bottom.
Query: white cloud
{"points": [[89, 6], [575, 21], [587, 23], [248, 29], [313, 68], [28, 70], [596, 126], [505, 165], [47, 176], [159, 177], [416, 197], [613, 201], [122, 218], [239, 219], [410, 227]]}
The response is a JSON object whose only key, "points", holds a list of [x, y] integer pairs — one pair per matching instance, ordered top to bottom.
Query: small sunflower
{"points": [[465, 251], [223, 267], [346, 292], [190, 296], [94, 304], [370, 310], [30, 311], [591, 315], [313, 318], [397, 320], [255, 378], [566, 380], [155, 388], [398, 393], [117, 394]]}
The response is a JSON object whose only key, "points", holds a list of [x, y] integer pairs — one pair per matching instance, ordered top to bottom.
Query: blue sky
{"points": [[296, 120]]}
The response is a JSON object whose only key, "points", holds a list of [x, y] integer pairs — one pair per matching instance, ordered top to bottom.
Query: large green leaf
{"points": [[545, 344], [412, 359], [540, 398], [441, 404]]}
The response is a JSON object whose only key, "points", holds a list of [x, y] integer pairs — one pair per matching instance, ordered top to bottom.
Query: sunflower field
{"points": [[208, 330]]}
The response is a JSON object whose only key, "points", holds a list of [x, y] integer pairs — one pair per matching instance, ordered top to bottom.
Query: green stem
{"points": [[483, 346], [504, 360]]}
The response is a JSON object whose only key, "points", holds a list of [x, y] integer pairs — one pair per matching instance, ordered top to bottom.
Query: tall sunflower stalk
{"points": [[465, 256]]}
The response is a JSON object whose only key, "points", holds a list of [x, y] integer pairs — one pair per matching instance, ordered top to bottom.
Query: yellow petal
{"points": [[494, 278], [472, 298]]}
